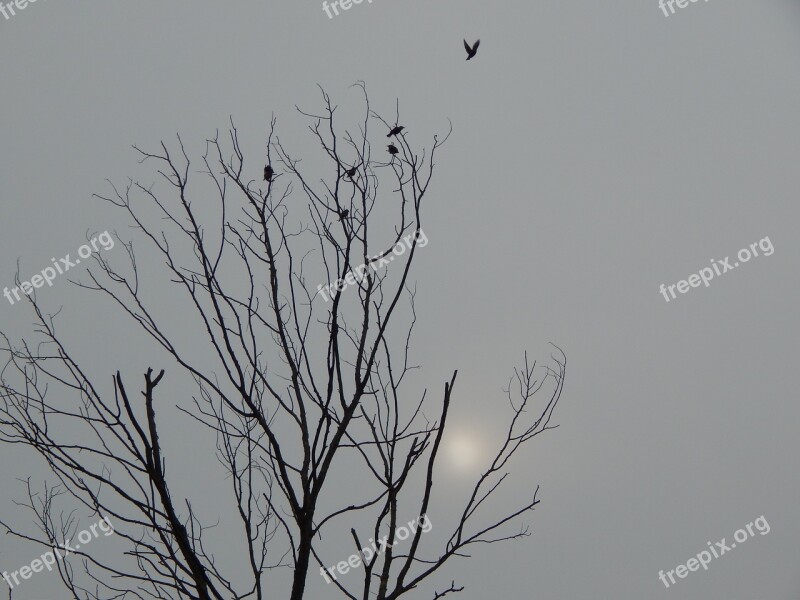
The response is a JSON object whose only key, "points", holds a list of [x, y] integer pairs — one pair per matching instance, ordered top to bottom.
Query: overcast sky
{"points": [[599, 150]]}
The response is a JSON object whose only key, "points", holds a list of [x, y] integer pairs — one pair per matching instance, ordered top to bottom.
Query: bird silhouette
{"points": [[471, 50], [395, 130], [393, 149], [268, 172], [351, 172], [343, 214]]}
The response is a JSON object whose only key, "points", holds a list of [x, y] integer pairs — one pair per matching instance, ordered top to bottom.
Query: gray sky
{"points": [[599, 150]]}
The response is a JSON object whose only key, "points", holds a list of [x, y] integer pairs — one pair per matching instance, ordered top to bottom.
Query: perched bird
{"points": [[473, 50], [395, 130], [393, 149], [268, 172], [351, 172], [343, 214]]}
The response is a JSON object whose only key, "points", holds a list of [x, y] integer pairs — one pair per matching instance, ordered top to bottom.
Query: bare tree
{"points": [[305, 381]]}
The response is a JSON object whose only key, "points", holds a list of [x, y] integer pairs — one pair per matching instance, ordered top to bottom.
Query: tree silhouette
{"points": [[307, 385]]}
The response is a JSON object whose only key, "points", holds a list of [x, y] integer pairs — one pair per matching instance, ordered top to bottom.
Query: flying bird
{"points": [[471, 50], [395, 130], [393, 149], [268, 172]]}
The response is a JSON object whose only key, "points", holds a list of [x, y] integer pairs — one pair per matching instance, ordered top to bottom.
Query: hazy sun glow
{"points": [[463, 450]]}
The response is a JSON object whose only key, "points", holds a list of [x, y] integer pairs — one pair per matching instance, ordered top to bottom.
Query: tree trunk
{"points": [[301, 566]]}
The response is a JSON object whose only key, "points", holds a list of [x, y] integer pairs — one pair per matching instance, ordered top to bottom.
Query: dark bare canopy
{"points": [[305, 387]]}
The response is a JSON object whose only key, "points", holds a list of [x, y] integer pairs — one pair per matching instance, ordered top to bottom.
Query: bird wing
{"points": [[467, 47], [475, 47]]}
